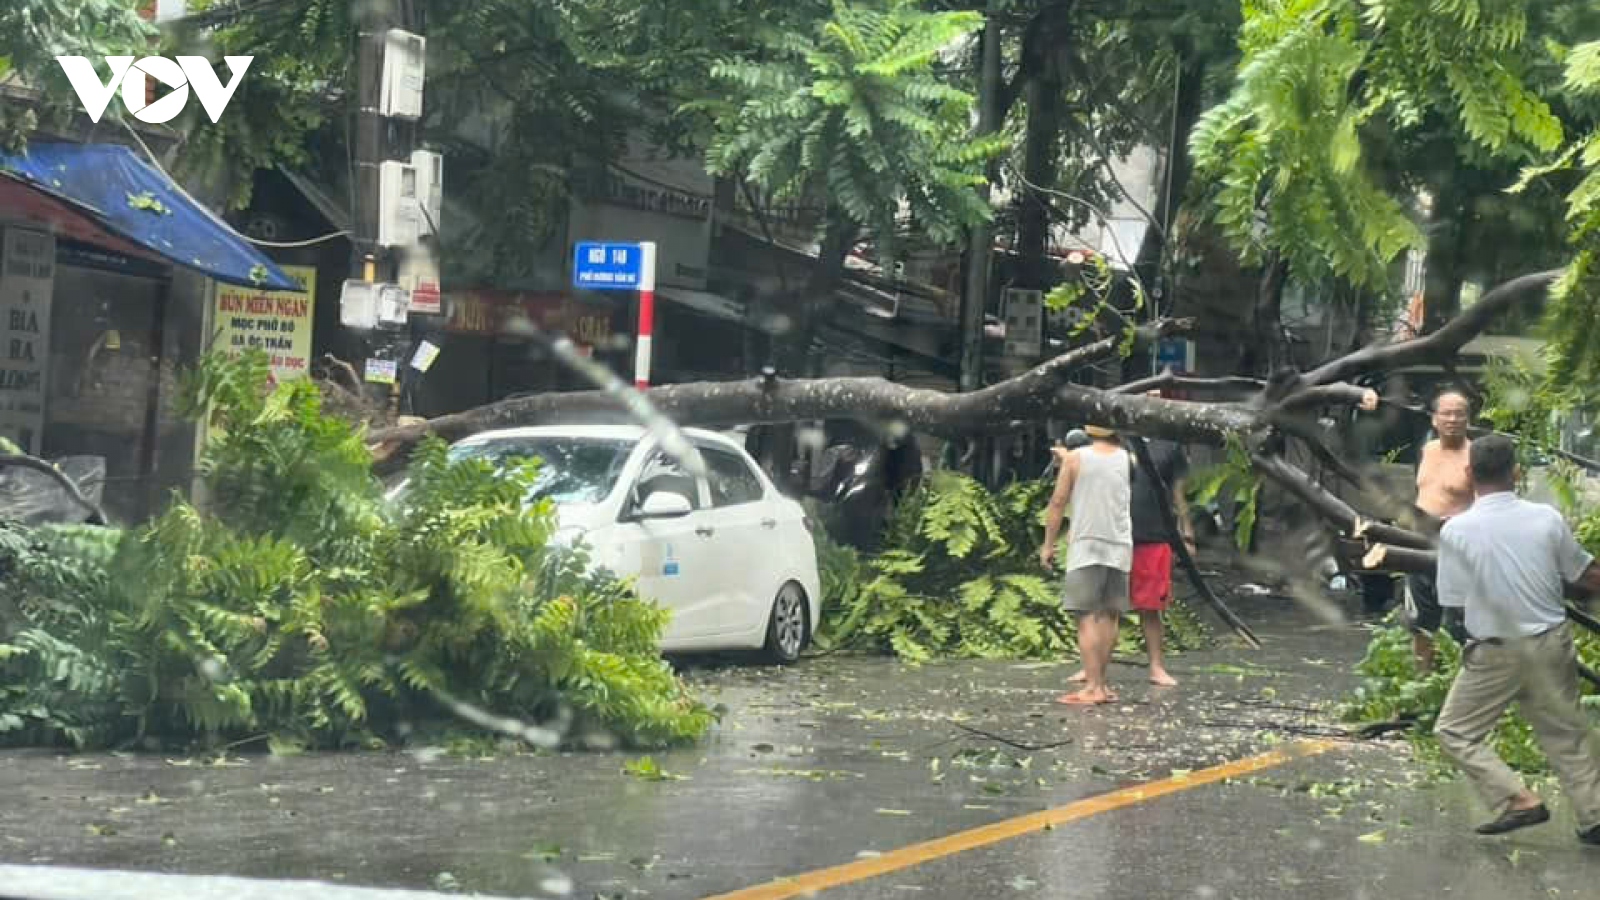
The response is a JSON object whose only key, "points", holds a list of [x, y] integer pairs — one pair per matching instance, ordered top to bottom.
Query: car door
{"points": [[745, 528], [674, 558]]}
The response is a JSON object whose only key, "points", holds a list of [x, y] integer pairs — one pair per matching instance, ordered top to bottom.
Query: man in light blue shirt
{"points": [[1507, 561]]}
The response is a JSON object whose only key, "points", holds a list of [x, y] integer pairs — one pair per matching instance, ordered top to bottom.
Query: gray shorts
{"points": [[1091, 589]]}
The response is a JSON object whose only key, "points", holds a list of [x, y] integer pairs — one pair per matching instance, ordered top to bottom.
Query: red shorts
{"points": [[1150, 582]]}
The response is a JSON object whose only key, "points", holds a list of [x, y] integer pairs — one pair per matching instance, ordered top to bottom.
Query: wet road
{"points": [[840, 761]]}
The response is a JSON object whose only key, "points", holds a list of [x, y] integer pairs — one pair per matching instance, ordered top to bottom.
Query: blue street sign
{"points": [[607, 267], [1173, 353]]}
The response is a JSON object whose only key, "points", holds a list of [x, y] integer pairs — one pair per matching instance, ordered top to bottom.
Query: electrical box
{"points": [[404, 70], [430, 188], [409, 199], [400, 219], [358, 305], [365, 306], [1024, 317]]}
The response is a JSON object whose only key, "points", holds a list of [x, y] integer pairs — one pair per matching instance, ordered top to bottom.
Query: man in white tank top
{"points": [[1097, 483]]}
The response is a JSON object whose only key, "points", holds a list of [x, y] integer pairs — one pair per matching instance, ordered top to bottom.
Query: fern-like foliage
{"points": [[1319, 81], [855, 110], [1573, 319], [1235, 478], [960, 577], [307, 609]]}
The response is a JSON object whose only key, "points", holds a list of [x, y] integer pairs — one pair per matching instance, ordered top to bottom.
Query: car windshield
{"points": [[573, 470]]}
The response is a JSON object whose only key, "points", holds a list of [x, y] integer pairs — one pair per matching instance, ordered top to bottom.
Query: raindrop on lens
{"points": [[560, 885]]}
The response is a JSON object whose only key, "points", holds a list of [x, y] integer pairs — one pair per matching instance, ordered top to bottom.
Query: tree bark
{"points": [[1189, 102], [1039, 149], [1441, 294], [975, 299], [1440, 346], [1270, 351], [1043, 392], [97, 516]]}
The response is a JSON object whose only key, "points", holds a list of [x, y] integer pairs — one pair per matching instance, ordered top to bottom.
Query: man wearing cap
{"points": [[1096, 482]]}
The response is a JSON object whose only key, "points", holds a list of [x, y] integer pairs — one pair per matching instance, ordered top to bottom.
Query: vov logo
{"points": [[186, 72]]}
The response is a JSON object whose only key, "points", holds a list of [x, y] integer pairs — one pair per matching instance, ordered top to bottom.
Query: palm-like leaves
{"points": [[857, 111]]}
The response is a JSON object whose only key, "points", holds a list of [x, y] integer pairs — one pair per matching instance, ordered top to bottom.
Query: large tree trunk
{"points": [[1187, 106], [1040, 146], [980, 244], [1441, 295], [1270, 351], [794, 352], [1265, 420]]}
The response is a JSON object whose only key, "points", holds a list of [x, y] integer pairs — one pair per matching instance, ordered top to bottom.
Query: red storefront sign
{"points": [[494, 312]]}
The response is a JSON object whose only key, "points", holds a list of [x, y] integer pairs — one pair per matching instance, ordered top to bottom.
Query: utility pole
{"points": [[374, 20], [377, 139], [974, 300]]}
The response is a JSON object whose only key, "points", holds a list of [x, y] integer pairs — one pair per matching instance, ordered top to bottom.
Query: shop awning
{"points": [[134, 200]]}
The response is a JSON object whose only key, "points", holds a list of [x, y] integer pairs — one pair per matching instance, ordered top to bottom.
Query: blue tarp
{"points": [[135, 200]]}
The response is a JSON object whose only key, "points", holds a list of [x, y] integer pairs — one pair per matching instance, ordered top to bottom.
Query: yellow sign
{"points": [[275, 322]]}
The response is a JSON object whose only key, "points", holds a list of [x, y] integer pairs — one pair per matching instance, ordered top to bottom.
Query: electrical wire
{"points": [[207, 210], [305, 243]]}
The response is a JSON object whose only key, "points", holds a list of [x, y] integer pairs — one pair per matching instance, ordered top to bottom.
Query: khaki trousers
{"points": [[1540, 674]]}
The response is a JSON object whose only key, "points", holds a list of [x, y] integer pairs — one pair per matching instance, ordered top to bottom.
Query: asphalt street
{"points": [[849, 777]]}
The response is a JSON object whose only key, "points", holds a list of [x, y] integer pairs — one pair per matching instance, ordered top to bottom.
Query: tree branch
{"points": [[1439, 346], [1234, 387], [1041, 392], [1339, 393], [1334, 510], [97, 516]]}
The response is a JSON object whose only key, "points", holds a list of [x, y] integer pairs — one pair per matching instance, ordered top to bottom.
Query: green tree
{"points": [[34, 32], [1344, 112], [855, 113], [1574, 317]]}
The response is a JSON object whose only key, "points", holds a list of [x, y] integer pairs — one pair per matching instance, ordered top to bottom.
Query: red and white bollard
{"points": [[647, 315]]}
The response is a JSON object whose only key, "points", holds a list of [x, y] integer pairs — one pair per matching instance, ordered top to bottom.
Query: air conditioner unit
{"points": [[404, 69]]}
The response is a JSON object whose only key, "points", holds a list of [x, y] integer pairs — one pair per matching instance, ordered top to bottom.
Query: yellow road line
{"points": [[1006, 829]]}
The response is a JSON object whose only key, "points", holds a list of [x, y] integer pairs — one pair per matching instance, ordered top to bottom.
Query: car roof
{"points": [[627, 433]]}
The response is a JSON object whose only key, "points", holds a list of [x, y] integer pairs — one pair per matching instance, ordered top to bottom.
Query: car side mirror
{"points": [[665, 505]]}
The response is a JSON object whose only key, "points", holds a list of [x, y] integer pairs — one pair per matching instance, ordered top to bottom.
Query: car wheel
{"points": [[788, 626]]}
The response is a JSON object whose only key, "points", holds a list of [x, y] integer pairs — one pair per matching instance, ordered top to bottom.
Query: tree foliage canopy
{"points": [[1321, 84], [855, 111], [305, 607]]}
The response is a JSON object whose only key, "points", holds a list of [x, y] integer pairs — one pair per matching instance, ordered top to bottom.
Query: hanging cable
{"points": [[207, 210], [305, 243]]}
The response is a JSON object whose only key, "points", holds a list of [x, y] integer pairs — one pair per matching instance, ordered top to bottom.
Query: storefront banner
{"points": [[27, 277], [276, 322]]}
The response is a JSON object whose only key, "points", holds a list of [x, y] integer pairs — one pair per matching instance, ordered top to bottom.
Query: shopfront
{"points": [[106, 283]]}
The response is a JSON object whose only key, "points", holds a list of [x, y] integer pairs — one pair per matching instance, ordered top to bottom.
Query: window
{"points": [[572, 470], [663, 473], [732, 482]]}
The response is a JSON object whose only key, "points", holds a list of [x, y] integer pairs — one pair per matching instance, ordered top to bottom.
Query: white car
{"points": [[730, 557]]}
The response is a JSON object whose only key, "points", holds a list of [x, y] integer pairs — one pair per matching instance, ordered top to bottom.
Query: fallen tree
{"points": [[1265, 414]]}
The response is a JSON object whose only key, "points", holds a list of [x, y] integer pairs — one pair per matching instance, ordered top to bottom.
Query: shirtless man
{"points": [[1444, 489]]}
